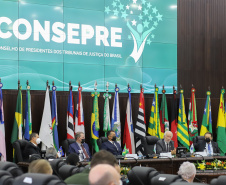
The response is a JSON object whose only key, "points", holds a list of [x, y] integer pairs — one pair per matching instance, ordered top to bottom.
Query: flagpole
{"points": [[18, 84]]}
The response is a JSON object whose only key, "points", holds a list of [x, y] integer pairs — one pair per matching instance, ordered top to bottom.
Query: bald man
{"points": [[166, 144], [104, 174]]}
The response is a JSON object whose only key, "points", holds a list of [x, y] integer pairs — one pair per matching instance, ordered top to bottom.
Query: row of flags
{"points": [[183, 129]]}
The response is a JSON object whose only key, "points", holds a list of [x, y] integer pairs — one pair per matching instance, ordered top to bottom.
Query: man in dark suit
{"points": [[166, 144], [111, 145], [207, 145], [32, 147], [80, 147]]}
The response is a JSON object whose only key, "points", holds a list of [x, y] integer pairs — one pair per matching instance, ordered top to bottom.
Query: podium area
{"points": [[166, 166]]}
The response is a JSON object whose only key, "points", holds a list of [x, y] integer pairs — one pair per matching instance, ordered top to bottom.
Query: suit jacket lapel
{"points": [[163, 144]]}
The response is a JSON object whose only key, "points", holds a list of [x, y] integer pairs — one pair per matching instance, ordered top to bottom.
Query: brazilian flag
{"points": [[18, 121], [95, 127]]}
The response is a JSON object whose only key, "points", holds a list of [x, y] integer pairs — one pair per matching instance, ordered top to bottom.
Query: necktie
{"points": [[115, 146], [167, 147], [209, 149], [84, 151]]}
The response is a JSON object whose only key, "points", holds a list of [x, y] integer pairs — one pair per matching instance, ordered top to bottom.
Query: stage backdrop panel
{"points": [[119, 41]]}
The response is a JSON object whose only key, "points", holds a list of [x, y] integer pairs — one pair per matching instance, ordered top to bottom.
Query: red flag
{"points": [[174, 119], [128, 138]]}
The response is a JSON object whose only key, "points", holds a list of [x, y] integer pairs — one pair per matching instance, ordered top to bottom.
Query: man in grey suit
{"points": [[166, 145]]}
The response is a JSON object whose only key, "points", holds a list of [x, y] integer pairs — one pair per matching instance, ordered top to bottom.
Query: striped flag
{"points": [[27, 116], [70, 116], [79, 116], [207, 116], [192, 117], [174, 118], [54, 119], [115, 120], [18, 121], [164, 121], [107, 122], [95, 127], [140, 127], [182, 127], [2, 128], [154, 128], [46, 132], [221, 135], [128, 138]]}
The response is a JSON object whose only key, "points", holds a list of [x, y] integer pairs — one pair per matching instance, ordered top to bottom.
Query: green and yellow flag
{"points": [[207, 116], [18, 121], [95, 127], [154, 127], [182, 127], [221, 134], [125, 151]]}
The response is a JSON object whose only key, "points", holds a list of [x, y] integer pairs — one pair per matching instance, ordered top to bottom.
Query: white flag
{"points": [[115, 120], [2, 128], [46, 133]]}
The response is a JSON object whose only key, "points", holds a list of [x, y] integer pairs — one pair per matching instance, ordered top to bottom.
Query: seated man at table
{"points": [[166, 144], [112, 145], [207, 145], [32, 147], [80, 147], [187, 171]]}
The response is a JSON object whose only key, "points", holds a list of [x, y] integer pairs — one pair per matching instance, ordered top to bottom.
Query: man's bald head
{"points": [[104, 174]]}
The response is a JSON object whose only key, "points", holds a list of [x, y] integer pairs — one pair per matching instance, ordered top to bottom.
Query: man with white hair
{"points": [[166, 144], [187, 171], [104, 174]]}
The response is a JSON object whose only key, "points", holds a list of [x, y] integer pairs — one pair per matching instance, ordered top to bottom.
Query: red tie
{"points": [[84, 151]]}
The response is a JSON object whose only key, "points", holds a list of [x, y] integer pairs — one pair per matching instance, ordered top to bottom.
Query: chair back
{"points": [[198, 138], [101, 140], [66, 143], [148, 143], [19, 146], [56, 164], [12, 168], [66, 171], [140, 175], [6, 178], [38, 179], [164, 179]]}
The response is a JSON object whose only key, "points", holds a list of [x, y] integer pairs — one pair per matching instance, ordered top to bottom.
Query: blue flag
{"points": [[27, 115], [54, 119], [60, 152]]}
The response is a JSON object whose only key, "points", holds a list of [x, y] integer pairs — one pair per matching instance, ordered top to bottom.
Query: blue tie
{"points": [[209, 149]]}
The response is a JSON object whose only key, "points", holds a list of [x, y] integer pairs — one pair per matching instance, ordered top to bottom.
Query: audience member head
{"points": [[111, 135], [168, 136], [80, 137], [208, 137], [34, 138], [51, 153], [104, 157], [72, 159], [40, 166], [187, 171], [104, 174]]}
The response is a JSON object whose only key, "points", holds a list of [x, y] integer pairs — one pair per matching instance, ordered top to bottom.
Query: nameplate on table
{"points": [[200, 154], [166, 155], [131, 156]]}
